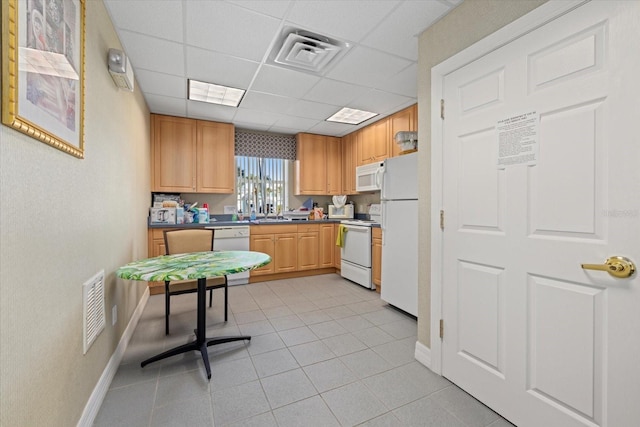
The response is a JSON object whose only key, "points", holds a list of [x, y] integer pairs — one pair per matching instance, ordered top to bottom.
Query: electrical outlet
{"points": [[114, 315]]}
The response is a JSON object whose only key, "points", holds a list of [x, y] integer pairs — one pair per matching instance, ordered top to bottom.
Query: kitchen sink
{"points": [[262, 220]]}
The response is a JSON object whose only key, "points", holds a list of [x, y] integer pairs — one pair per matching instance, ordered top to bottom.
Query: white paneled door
{"points": [[540, 174]]}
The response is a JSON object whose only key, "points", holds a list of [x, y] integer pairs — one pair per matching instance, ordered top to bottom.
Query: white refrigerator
{"points": [[399, 199]]}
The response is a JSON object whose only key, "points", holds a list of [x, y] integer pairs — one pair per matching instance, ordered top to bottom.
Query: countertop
{"points": [[247, 222]]}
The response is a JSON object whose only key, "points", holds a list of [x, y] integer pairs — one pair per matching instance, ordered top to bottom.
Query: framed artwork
{"points": [[43, 71]]}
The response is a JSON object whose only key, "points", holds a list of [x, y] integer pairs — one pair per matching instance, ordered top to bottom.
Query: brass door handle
{"points": [[617, 266]]}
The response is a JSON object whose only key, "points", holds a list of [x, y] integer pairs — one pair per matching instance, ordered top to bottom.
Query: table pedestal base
{"points": [[201, 342], [196, 346]]}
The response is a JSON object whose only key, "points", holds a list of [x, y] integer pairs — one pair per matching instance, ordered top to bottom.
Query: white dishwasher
{"points": [[232, 239]]}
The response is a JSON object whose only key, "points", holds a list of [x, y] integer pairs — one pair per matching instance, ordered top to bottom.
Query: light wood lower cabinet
{"points": [[280, 242], [264, 243], [327, 245], [308, 246], [156, 248], [303, 249], [337, 255], [376, 257]]}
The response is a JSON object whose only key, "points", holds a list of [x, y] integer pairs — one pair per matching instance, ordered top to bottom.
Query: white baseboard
{"points": [[423, 354], [100, 390]]}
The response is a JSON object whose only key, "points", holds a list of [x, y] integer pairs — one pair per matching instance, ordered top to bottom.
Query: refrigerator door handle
{"points": [[379, 177], [383, 223]]}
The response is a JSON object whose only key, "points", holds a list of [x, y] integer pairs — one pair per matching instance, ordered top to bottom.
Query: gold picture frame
{"points": [[43, 71]]}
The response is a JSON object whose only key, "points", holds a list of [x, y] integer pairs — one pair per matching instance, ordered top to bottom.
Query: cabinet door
{"points": [[405, 120], [381, 143], [366, 145], [173, 154], [215, 158], [311, 164], [334, 165], [348, 170], [264, 243], [327, 246], [155, 248], [308, 250], [286, 252], [337, 257], [376, 258]]}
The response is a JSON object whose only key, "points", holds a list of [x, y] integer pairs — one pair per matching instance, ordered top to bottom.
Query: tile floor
{"points": [[324, 352]]}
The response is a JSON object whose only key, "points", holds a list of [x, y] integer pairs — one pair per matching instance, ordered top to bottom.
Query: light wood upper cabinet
{"points": [[404, 120], [373, 143], [173, 154], [191, 156], [215, 157], [349, 163], [311, 164], [318, 164], [334, 165]]}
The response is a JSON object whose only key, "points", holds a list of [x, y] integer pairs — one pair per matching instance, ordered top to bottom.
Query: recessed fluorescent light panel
{"points": [[215, 94], [351, 116]]}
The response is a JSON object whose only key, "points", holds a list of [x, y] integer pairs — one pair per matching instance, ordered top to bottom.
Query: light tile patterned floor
{"points": [[324, 352]]}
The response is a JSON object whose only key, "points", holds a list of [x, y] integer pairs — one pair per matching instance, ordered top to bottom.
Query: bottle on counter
{"points": [[252, 216]]}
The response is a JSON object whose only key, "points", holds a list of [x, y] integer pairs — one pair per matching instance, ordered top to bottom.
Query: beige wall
{"points": [[467, 24], [62, 220]]}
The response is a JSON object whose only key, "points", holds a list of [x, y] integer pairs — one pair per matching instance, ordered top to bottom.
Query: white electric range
{"points": [[355, 253]]}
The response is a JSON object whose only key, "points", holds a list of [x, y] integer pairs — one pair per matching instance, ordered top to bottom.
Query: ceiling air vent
{"points": [[305, 51]]}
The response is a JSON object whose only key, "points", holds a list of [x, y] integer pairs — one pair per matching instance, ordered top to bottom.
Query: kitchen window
{"points": [[261, 183]]}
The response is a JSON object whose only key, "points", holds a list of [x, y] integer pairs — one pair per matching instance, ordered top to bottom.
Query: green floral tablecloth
{"points": [[194, 265]]}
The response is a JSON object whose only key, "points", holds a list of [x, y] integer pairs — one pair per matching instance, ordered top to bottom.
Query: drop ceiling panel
{"points": [[276, 8], [159, 21], [351, 21], [225, 28], [399, 33], [153, 54], [367, 67], [218, 68], [280, 81], [404, 83], [162, 84], [334, 92], [267, 102], [382, 102], [166, 105], [312, 110], [206, 111], [244, 115], [300, 123], [330, 128]]}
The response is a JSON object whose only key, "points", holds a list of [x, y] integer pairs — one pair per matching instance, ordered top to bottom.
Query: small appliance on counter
{"points": [[344, 212], [162, 215], [296, 215]]}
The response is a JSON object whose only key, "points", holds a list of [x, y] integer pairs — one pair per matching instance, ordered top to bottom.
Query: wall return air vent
{"points": [[305, 51], [93, 310]]}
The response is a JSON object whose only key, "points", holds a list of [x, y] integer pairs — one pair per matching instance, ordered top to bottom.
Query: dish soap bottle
{"points": [[252, 216]]}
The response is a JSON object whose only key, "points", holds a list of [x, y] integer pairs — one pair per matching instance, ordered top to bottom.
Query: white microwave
{"points": [[369, 177], [344, 212]]}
